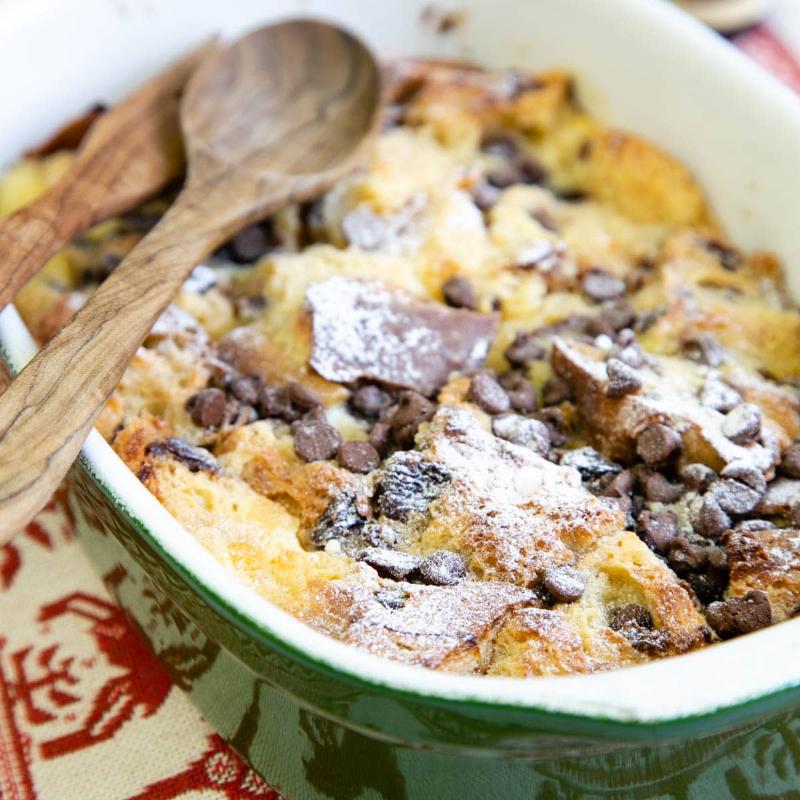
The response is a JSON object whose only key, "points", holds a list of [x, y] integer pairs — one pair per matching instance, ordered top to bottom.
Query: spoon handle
{"points": [[48, 410]]}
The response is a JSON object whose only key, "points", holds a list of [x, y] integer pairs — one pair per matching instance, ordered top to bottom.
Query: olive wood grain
{"points": [[278, 116], [130, 153]]}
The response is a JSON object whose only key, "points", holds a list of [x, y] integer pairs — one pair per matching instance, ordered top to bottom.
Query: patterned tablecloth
{"points": [[86, 711]]}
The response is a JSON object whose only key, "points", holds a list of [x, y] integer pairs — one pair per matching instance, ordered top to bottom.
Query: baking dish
{"points": [[319, 719]]}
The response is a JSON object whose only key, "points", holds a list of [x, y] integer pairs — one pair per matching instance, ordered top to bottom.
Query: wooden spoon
{"points": [[277, 117], [130, 153]]}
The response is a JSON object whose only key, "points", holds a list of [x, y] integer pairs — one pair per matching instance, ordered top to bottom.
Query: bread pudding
{"points": [[504, 401]]}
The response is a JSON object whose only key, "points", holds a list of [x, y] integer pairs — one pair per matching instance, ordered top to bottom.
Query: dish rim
{"points": [[658, 693]]}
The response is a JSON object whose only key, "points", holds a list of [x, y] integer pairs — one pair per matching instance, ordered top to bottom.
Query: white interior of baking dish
{"points": [[640, 64]]}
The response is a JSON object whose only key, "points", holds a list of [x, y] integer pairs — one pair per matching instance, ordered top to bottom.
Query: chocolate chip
{"points": [[519, 169], [485, 195], [251, 243], [729, 258], [600, 285], [459, 292], [618, 315], [525, 348], [704, 349], [631, 355], [622, 379], [246, 388], [555, 390], [520, 391], [488, 394], [718, 395], [301, 398], [369, 400], [275, 402], [207, 408], [412, 410], [743, 423], [530, 433], [380, 436], [315, 439], [657, 444], [359, 457], [197, 459], [589, 463], [790, 463], [746, 473], [697, 476], [408, 485], [619, 485], [658, 489], [781, 496], [734, 497], [711, 520], [658, 529], [686, 557], [390, 563], [442, 568], [564, 584], [391, 598], [630, 614], [738, 615]]}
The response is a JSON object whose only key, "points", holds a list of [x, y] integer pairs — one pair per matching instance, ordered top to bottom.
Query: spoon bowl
{"points": [[278, 116]]}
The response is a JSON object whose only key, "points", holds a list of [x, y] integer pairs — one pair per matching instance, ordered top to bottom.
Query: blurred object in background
{"points": [[728, 16]]}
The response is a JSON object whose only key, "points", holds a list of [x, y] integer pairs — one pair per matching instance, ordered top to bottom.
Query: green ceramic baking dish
{"points": [[318, 719]]}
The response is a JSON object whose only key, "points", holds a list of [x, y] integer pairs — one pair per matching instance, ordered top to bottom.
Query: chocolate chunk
{"points": [[502, 145], [544, 218], [251, 243], [729, 258], [600, 285], [459, 292], [618, 315], [363, 330], [525, 348], [704, 349], [622, 379], [246, 389], [555, 390], [520, 391], [488, 394], [718, 395], [369, 400], [275, 402], [207, 408], [412, 410], [554, 419], [743, 423], [523, 431], [380, 437], [315, 439], [657, 444], [359, 457], [197, 459], [589, 463], [790, 463], [745, 473], [697, 476], [408, 485], [658, 489], [781, 497], [341, 520], [711, 520], [754, 525], [658, 529], [390, 563], [442, 568], [564, 584], [391, 598], [627, 615], [738, 615]]}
